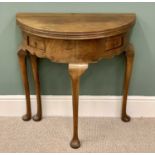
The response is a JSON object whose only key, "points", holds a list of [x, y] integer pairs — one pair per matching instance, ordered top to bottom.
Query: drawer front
{"points": [[113, 42], [37, 43], [75, 51]]}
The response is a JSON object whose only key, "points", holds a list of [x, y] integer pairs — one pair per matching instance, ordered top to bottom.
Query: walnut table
{"points": [[75, 39]]}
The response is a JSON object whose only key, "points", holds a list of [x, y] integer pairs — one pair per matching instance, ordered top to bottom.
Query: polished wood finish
{"points": [[75, 25], [76, 39], [129, 52], [33, 60], [22, 61], [75, 71]]}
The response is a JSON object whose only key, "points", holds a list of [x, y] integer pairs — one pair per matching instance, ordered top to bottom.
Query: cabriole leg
{"points": [[22, 61], [129, 63], [34, 65], [75, 71]]}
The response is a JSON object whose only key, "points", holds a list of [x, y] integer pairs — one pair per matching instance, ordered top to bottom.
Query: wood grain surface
{"points": [[73, 25], [76, 39]]}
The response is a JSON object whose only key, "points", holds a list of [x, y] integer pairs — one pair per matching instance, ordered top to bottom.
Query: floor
{"points": [[53, 134]]}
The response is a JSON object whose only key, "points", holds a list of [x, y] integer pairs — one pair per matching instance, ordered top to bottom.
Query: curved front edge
{"points": [[75, 51]]}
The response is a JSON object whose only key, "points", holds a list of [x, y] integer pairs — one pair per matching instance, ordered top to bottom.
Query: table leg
{"points": [[22, 61], [129, 63], [34, 65], [75, 71]]}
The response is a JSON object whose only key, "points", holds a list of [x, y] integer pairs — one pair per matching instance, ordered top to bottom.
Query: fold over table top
{"points": [[75, 25]]}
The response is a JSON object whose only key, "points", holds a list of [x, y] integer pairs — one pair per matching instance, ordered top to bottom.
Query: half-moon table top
{"points": [[75, 25]]}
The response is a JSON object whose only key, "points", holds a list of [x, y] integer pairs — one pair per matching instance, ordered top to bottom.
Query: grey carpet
{"points": [[53, 134]]}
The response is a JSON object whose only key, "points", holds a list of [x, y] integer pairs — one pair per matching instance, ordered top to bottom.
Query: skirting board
{"points": [[89, 106]]}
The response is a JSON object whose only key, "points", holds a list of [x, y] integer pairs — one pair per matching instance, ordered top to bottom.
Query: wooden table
{"points": [[75, 39]]}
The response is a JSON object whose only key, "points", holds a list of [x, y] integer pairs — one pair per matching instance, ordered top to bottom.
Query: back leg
{"points": [[33, 60]]}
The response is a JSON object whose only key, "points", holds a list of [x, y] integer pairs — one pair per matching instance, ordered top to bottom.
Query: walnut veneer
{"points": [[76, 39]]}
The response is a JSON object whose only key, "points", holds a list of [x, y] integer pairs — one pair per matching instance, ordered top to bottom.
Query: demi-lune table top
{"points": [[75, 25]]}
